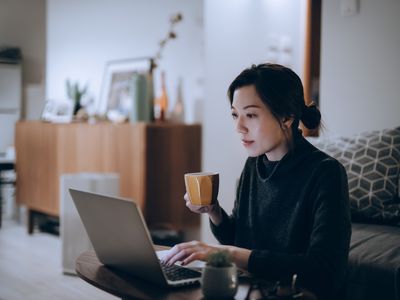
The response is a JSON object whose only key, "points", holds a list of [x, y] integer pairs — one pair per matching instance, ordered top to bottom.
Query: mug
{"points": [[202, 187]]}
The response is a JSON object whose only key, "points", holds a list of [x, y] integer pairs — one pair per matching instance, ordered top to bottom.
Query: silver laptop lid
{"points": [[119, 235]]}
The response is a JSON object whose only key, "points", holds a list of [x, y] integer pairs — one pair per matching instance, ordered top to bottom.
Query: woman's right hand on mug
{"points": [[200, 209], [214, 211]]}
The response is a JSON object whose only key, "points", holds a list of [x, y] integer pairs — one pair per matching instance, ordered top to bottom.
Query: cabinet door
{"points": [[172, 151], [130, 158], [36, 166]]}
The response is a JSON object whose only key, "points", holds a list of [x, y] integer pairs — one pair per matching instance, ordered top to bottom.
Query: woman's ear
{"points": [[287, 122]]}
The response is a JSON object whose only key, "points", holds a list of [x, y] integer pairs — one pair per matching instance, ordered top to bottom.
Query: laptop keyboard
{"points": [[175, 272]]}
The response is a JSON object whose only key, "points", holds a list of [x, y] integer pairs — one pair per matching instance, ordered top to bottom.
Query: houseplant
{"points": [[75, 93], [219, 277]]}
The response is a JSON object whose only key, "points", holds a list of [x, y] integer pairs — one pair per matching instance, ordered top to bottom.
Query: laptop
{"points": [[121, 240]]}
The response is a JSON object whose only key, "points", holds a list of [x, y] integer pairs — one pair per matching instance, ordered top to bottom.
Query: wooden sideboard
{"points": [[150, 159]]}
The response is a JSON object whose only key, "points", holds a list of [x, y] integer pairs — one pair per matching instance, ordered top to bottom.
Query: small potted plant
{"points": [[75, 93], [219, 277]]}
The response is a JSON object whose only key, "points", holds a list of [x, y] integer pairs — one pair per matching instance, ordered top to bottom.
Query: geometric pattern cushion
{"points": [[372, 162]]}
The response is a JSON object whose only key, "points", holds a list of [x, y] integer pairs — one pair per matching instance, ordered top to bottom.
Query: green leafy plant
{"points": [[75, 93], [219, 259]]}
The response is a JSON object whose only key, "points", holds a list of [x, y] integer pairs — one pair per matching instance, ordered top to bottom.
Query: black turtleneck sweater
{"points": [[294, 216]]}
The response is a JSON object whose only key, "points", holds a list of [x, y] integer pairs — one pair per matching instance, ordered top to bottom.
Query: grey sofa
{"points": [[372, 161], [374, 262]]}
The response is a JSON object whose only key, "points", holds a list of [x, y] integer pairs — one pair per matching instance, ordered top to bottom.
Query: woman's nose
{"points": [[240, 126]]}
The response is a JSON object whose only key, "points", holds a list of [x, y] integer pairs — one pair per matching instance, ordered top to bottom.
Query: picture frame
{"points": [[115, 95], [57, 111]]}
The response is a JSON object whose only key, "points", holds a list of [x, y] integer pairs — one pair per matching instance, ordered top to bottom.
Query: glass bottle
{"points": [[161, 106], [178, 112]]}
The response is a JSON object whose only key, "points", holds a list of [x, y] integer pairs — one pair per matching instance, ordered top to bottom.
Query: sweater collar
{"points": [[267, 169]]}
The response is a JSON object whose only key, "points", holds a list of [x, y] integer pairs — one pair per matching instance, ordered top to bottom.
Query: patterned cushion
{"points": [[372, 161]]}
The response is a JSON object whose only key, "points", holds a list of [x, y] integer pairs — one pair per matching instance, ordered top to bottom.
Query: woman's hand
{"points": [[199, 209], [213, 210], [190, 251]]}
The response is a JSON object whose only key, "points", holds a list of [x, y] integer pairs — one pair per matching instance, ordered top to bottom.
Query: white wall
{"points": [[23, 25], [238, 34], [84, 35], [360, 67]]}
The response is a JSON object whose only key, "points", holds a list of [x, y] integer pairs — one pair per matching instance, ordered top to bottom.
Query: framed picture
{"points": [[115, 92], [57, 111]]}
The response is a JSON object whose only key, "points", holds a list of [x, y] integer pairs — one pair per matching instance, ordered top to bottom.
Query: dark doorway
{"points": [[312, 56]]}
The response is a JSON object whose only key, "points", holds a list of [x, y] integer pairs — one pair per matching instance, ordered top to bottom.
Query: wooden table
{"points": [[90, 269]]}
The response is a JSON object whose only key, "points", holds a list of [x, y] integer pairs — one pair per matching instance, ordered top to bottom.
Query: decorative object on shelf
{"points": [[175, 19], [127, 86], [124, 89], [75, 93], [142, 98], [161, 103], [57, 111], [178, 112], [219, 278]]}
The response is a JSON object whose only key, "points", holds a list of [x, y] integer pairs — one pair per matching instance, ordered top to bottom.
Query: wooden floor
{"points": [[30, 268]]}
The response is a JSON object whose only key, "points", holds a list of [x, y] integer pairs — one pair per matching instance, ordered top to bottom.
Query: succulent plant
{"points": [[219, 259]]}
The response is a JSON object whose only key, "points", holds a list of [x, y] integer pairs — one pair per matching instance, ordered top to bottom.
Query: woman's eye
{"points": [[234, 115], [251, 116]]}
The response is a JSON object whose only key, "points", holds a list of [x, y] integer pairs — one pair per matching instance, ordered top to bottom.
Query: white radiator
{"points": [[73, 234]]}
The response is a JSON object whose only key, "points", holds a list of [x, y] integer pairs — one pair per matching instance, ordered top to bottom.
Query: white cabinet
{"points": [[10, 102], [73, 235]]}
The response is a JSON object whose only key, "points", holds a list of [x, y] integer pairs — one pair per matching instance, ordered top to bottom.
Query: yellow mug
{"points": [[202, 187]]}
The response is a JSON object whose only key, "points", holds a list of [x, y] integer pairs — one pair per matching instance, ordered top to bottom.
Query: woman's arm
{"points": [[215, 214], [223, 226], [195, 250]]}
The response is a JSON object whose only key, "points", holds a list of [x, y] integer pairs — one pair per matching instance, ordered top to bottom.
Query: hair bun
{"points": [[311, 116]]}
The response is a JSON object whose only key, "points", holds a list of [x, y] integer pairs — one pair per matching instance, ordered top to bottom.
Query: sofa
{"points": [[372, 162]]}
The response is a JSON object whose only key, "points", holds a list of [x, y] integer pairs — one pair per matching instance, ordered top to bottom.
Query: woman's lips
{"points": [[247, 143]]}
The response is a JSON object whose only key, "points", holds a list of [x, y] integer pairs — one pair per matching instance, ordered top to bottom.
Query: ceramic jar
{"points": [[219, 282]]}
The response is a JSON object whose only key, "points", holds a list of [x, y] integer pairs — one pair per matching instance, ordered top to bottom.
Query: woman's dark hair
{"points": [[281, 91]]}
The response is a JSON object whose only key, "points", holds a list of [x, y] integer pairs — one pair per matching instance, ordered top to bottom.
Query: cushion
{"points": [[372, 162]]}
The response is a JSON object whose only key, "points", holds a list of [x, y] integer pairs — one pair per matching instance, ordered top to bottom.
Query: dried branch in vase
{"points": [[170, 35]]}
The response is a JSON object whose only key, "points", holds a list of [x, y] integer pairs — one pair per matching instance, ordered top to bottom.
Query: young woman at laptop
{"points": [[291, 214]]}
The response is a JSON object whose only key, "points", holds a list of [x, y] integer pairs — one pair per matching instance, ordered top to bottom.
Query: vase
{"points": [[77, 106], [219, 282]]}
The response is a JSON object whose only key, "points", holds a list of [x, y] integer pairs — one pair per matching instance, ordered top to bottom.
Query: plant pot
{"points": [[77, 106], [219, 283]]}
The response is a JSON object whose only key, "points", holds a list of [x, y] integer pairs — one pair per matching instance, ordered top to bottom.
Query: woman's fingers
{"points": [[186, 197], [197, 208], [200, 209], [178, 252], [187, 252], [171, 253], [180, 256], [192, 257]]}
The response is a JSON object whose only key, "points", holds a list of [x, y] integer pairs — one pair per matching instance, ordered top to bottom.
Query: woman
{"points": [[291, 214]]}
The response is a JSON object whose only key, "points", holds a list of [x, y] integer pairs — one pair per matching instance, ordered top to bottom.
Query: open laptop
{"points": [[121, 240]]}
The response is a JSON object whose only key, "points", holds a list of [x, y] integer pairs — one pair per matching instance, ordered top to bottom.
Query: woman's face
{"points": [[260, 132]]}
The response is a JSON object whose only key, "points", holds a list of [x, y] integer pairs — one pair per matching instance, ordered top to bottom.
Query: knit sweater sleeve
{"points": [[225, 231], [322, 268]]}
